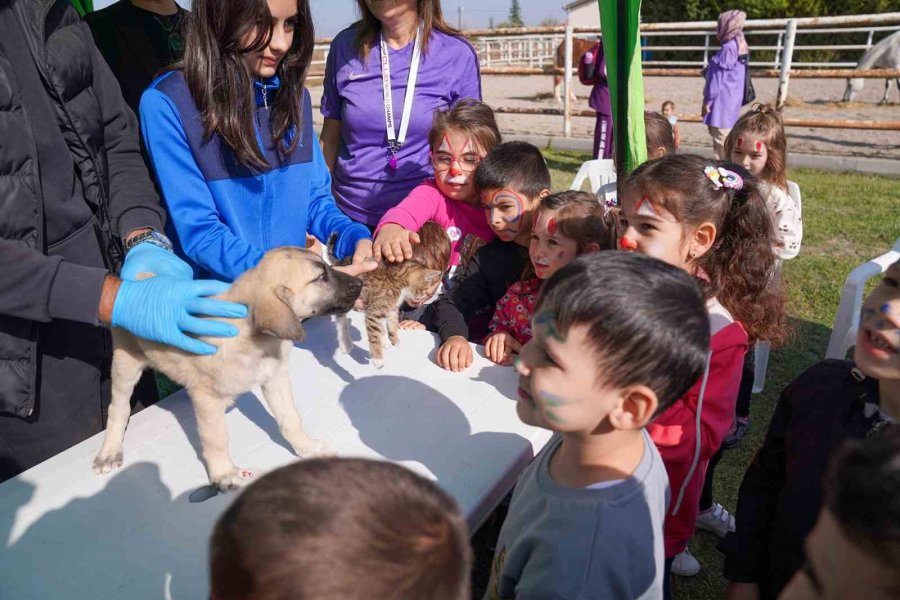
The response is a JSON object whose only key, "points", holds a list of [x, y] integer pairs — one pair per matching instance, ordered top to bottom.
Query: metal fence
{"points": [[681, 49]]}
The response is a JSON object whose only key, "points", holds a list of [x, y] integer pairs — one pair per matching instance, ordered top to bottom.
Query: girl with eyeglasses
{"points": [[229, 132], [459, 139]]}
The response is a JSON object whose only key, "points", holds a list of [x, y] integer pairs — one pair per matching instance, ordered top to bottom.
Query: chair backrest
{"points": [[599, 172], [794, 193]]}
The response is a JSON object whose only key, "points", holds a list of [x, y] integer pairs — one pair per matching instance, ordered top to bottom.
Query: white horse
{"points": [[883, 55]]}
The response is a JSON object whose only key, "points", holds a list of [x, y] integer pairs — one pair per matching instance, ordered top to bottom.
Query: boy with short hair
{"points": [[668, 111], [510, 181], [618, 338], [832, 401], [341, 529], [854, 549]]}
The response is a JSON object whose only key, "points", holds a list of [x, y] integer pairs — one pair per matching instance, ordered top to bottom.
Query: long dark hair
{"points": [[368, 26], [221, 83], [739, 268]]}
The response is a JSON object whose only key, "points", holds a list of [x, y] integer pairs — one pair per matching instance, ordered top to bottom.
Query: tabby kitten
{"points": [[384, 291]]}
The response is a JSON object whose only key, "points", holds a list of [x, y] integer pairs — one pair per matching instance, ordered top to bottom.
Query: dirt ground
{"points": [[807, 98]]}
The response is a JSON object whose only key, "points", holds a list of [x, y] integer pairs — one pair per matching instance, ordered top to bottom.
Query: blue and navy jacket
{"points": [[223, 215]]}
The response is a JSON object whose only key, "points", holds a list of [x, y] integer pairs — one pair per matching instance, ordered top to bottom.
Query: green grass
{"points": [[848, 218]]}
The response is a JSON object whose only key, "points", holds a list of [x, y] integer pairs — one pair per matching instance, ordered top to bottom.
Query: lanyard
{"points": [[396, 139]]}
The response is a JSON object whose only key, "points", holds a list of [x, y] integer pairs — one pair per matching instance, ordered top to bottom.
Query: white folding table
{"points": [[68, 534]]}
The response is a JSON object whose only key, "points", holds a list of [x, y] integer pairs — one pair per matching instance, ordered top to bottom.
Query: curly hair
{"points": [[764, 121], [739, 268]]}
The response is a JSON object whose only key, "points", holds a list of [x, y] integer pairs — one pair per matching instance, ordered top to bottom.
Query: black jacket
{"points": [[122, 40], [101, 134], [476, 290], [781, 494]]}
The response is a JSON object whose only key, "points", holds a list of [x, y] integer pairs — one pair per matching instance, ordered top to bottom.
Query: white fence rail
{"points": [[521, 51]]}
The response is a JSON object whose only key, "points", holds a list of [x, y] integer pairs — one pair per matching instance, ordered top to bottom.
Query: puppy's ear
{"points": [[273, 315]]}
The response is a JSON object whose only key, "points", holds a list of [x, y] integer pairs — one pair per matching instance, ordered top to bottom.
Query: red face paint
{"points": [[740, 142], [758, 146], [454, 171], [551, 226], [627, 244]]}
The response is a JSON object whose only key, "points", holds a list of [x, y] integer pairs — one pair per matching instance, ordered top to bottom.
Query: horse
{"points": [[579, 47], [883, 55]]}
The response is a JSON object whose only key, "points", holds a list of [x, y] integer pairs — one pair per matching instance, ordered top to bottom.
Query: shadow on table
{"points": [[325, 347], [406, 420], [131, 532]]}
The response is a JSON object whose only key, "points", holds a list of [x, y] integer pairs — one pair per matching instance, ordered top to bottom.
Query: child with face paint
{"points": [[460, 138], [757, 142], [511, 182], [710, 219], [565, 225], [618, 337], [833, 401]]}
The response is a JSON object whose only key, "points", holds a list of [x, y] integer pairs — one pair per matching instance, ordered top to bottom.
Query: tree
{"points": [[515, 15], [491, 22], [549, 22]]}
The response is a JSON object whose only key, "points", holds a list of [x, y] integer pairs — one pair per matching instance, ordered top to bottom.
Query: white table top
{"points": [[70, 534]]}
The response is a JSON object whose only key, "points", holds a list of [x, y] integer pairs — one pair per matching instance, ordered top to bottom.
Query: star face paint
{"points": [[453, 170], [645, 208], [504, 210], [549, 252], [877, 351]]}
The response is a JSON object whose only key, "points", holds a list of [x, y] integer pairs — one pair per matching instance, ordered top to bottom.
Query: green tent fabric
{"points": [[83, 6], [620, 25]]}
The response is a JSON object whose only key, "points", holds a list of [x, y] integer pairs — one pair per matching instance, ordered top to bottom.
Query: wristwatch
{"points": [[151, 237]]}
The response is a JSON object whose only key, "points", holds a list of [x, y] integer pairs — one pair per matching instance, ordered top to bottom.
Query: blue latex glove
{"points": [[149, 258], [160, 309]]}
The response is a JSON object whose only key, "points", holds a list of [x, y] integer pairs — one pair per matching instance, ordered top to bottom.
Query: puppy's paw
{"points": [[378, 363], [105, 462], [233, 479]]}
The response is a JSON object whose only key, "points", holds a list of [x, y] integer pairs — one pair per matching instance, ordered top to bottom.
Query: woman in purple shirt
{"points": [[723, 95], [376, 141]]}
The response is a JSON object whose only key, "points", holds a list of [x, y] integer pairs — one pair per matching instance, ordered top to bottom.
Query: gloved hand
{"points": [[149, 258], [160, 309]]}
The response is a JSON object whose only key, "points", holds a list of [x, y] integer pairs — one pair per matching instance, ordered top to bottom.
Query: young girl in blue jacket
{"points": [[229, 132]]}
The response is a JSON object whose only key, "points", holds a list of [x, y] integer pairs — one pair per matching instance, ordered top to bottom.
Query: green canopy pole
{"points": [[83, 6], [620, 27]]}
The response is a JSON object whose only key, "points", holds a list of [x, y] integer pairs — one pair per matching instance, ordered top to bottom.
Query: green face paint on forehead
{"points": [[546, 321]]}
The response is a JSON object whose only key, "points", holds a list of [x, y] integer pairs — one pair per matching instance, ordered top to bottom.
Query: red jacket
{"points": [[686, 443]]}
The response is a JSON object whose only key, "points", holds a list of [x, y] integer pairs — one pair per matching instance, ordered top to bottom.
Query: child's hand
{"points": [[394, 243], [363, 252], [409, 324], [500, 347], [455, 354]]}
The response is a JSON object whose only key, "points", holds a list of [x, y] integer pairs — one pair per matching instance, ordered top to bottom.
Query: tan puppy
{"points": [[287, 286]]}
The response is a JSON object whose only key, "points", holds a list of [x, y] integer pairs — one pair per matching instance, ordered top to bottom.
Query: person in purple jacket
{"points": [[592, 71], [385, 77], [723, 94]]}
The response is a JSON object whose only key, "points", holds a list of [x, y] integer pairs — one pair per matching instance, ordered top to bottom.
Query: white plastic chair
{"points": [[602, 176], [846, 323], [761, 352]]}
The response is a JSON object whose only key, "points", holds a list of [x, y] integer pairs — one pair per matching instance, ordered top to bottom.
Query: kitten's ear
{"points": [[432, 277]]}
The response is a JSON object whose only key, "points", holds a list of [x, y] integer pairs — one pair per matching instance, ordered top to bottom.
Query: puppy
{"points": [[286, 287]]}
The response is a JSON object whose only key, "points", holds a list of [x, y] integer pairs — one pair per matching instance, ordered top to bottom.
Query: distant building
{"points": [[583, 13]]}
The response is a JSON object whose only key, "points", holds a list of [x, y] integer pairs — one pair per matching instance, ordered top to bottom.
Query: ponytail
{"points": [[741, 265]]}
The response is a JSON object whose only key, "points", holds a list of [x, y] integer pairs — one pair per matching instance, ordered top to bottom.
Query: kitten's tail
{"points": [[328, 255]]}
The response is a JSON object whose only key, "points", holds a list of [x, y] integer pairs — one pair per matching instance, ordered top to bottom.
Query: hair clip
{"points": [[722, 177]]}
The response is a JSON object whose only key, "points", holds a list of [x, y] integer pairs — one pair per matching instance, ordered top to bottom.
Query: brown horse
{"points": [[579, 47]]}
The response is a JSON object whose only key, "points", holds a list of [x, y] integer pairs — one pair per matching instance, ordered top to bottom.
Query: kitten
{"points": [[384, 291]]}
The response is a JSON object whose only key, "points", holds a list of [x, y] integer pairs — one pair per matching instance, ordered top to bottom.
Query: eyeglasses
{"points": [[443, 161]]}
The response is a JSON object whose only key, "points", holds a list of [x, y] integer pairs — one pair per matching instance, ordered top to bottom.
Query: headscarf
{"points": [[730, 27]]}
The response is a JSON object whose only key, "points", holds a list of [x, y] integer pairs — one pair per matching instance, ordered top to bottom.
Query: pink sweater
{"points": [[465, 224]]}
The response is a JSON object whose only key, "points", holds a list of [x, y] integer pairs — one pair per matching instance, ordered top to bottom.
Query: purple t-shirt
{"points": [[364, 186]]}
